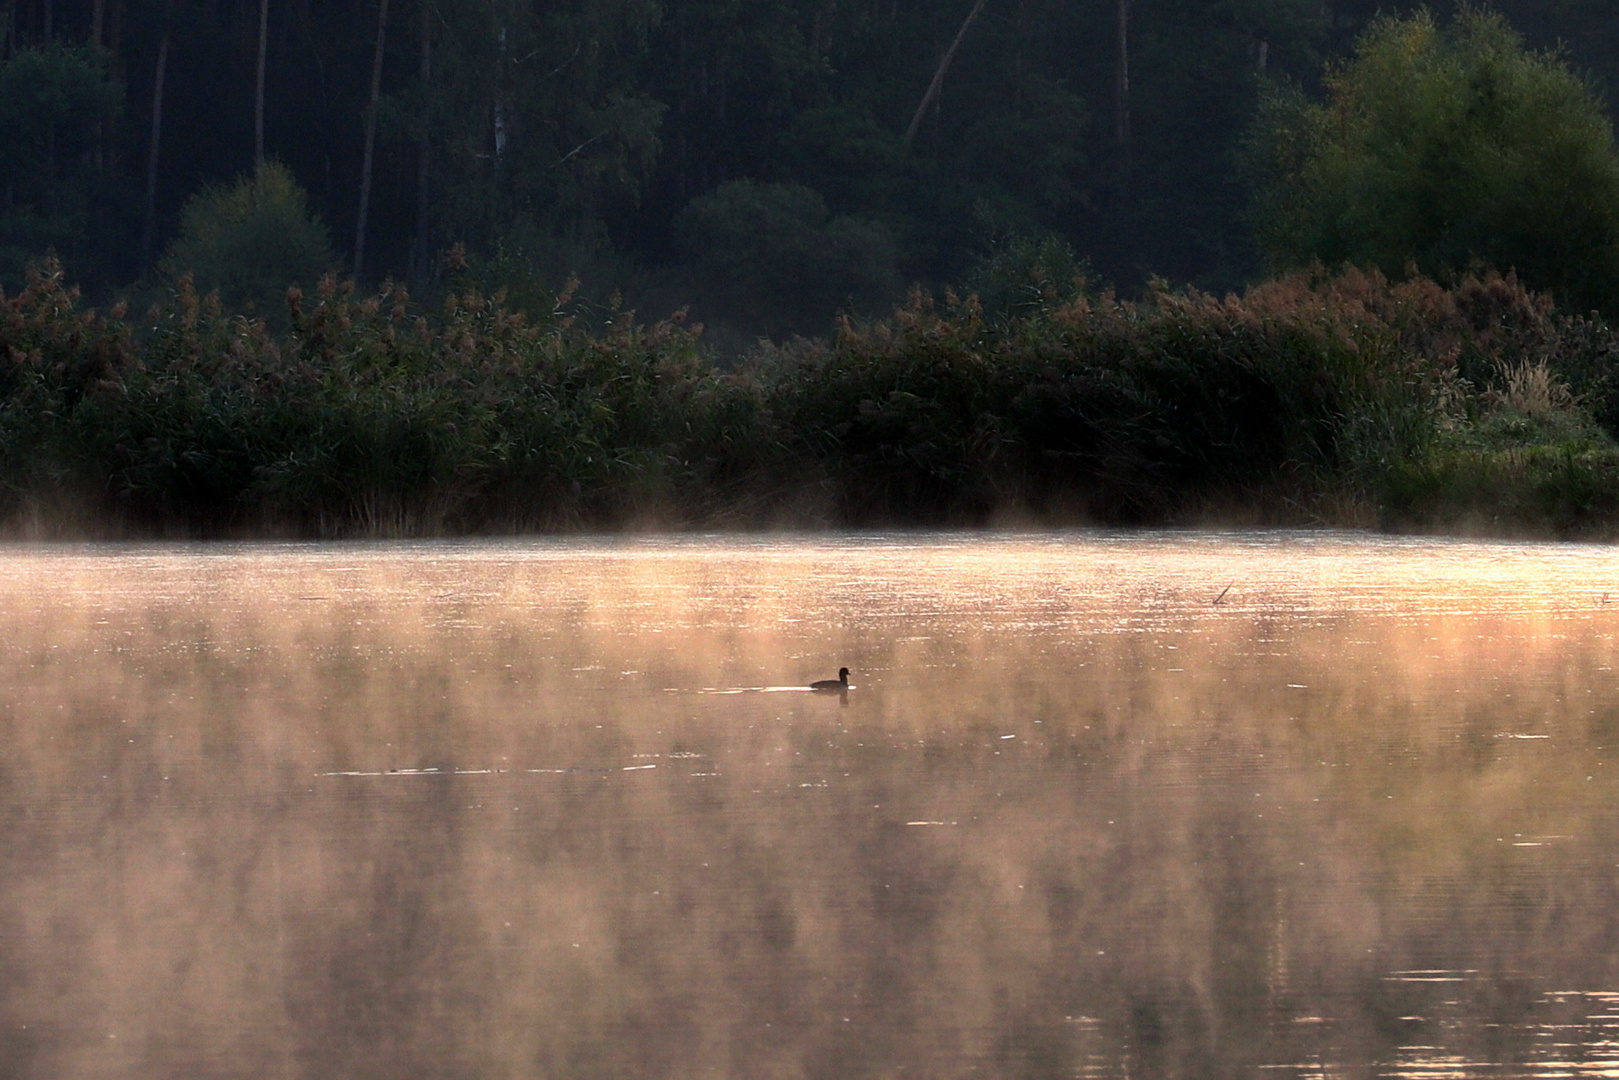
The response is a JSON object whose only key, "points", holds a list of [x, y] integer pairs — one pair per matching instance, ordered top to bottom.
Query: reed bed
{"points": [[1315, 398]]}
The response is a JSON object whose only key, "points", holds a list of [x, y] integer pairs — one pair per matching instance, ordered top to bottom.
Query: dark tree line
{"points": [[766, 160]]}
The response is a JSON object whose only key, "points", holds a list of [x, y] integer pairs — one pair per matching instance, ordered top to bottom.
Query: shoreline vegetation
{"points": [[1343, 399]]}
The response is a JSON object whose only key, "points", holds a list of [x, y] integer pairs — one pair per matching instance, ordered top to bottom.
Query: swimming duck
{"points": [[839, 683]]}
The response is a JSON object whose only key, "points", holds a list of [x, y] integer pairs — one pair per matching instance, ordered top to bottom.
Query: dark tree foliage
{"points": [[55, 103], [588, 135], [766, 255]]}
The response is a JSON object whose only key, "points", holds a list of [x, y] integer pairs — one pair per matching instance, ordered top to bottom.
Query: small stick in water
{"points": [[1223, 591]]}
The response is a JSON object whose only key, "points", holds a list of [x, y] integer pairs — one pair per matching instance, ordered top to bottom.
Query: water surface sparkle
{"points": [[1098, 804]]}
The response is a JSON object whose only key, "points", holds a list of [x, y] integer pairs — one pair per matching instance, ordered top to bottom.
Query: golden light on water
{"points": [[1099, 804]]}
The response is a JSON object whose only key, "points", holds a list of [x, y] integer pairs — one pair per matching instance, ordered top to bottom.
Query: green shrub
{"points": [[249, 241], [1024, 276], [1126, 411]]}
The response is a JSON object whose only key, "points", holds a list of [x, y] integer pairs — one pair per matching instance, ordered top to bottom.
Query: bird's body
{"points": [[840, 683]]}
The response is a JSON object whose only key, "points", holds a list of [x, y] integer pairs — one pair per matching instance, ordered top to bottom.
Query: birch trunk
{"points": [[938, 76], [258, 85], [1121, 101], [370, 140], [149, 230], [421, 257]]}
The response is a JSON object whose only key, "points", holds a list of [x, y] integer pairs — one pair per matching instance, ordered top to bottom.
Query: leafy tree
{"points": [[1444, 147], [250, 241]]}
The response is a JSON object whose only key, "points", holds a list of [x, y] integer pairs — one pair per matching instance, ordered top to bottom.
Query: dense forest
{"points": [[764, 163], [407, 267]]}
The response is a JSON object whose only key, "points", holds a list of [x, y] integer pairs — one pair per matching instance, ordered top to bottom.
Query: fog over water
{"points": [[1098, 804]]}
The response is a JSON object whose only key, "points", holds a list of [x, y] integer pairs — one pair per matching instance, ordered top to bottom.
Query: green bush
{"points": [[1442, 148], [249, 240], [1023, 276], [1116, 410]]}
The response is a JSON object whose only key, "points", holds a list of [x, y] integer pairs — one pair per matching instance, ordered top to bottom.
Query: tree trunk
{"points": [[98, 19], [115, 38], [938, 76], [258, 85], [500, 99], [1121, 100], [370, 141], [1122, 217], [149, 230], [422, 253]]}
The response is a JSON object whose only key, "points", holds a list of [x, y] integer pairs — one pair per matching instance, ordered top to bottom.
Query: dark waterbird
{"points": [[840, 683]]}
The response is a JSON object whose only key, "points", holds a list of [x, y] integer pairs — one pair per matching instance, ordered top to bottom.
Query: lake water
{"points": [[1098, 805]]}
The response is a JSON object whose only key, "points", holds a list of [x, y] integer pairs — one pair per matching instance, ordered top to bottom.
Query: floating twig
{"points": [[1221, 597]]}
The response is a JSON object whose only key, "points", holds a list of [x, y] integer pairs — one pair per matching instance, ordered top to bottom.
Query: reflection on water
{"points": [[1104, 805]]}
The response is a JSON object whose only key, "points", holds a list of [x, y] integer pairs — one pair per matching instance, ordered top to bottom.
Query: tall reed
{"points": [[1314, 397]]}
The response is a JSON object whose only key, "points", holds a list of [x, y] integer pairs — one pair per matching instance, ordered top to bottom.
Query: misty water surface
{"points": [[1275, 805]]}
